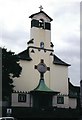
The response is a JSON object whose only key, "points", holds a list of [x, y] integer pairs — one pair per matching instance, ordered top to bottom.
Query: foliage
{"points": [[10, 65]]}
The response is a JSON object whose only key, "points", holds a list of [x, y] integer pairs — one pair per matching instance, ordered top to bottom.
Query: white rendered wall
{"points": [[41, 35], [30, 76], [56, 78], [59, 78], [15, 102], [65, 105]]}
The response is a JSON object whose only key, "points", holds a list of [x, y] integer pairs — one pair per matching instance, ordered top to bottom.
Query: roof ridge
{"points": [[39, 13]]}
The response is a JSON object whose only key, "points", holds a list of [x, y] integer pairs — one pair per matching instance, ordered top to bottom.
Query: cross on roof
{"points": [[41, 7]]}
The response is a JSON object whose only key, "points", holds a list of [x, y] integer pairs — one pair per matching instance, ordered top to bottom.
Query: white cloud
{"points": [[65, 34]]}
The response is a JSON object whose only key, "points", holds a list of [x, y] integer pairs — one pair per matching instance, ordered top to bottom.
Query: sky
{"points": [[65, 28]]}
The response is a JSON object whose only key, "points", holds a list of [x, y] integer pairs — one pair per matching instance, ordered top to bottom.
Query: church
{"points": [[44, 81]]}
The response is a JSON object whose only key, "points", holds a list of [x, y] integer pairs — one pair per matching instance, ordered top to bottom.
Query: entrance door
{"points": [[42, 101]]}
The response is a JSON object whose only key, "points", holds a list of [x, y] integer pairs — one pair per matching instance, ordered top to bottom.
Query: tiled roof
{"points": [[39, 13], [24, 55], [58, 61]]}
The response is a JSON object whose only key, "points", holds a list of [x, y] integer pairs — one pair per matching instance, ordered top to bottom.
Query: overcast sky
{"points": [[65, 32]]}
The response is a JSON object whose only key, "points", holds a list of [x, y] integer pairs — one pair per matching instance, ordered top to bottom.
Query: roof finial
{"points": [[41, 7]]}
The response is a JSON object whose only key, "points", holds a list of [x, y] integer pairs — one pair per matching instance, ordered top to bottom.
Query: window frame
{"points": [[41, 44], [21, 97], [60, 99]]}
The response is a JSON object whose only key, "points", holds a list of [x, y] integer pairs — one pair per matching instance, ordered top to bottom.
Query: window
{"points": [[34, 23], [41, 23], [47, 26], [41, 44], [21, 97], [60, 100]]}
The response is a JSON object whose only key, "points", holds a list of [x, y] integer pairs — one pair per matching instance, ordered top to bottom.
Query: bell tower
{"points": [[40, 31]]}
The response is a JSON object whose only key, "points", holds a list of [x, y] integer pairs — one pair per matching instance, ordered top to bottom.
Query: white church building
{"points": [[44, 78]]}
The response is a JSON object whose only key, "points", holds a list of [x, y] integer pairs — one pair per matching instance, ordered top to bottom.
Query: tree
{"points": [[10, 66]]}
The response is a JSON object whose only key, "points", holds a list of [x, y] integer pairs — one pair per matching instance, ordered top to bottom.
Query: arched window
{"points": [[41, 44]]}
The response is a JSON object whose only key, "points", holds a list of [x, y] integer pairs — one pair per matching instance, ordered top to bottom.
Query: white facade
{"points": [[56, 79], [15, 102]]}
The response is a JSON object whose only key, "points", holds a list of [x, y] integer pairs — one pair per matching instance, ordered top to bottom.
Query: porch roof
{"points": [[42, 88]]}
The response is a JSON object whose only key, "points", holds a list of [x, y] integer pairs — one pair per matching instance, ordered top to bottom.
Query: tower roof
{"points": [[40, 13]]}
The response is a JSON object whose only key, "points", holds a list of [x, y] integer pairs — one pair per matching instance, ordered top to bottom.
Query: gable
{"points": [[41, 14]]}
